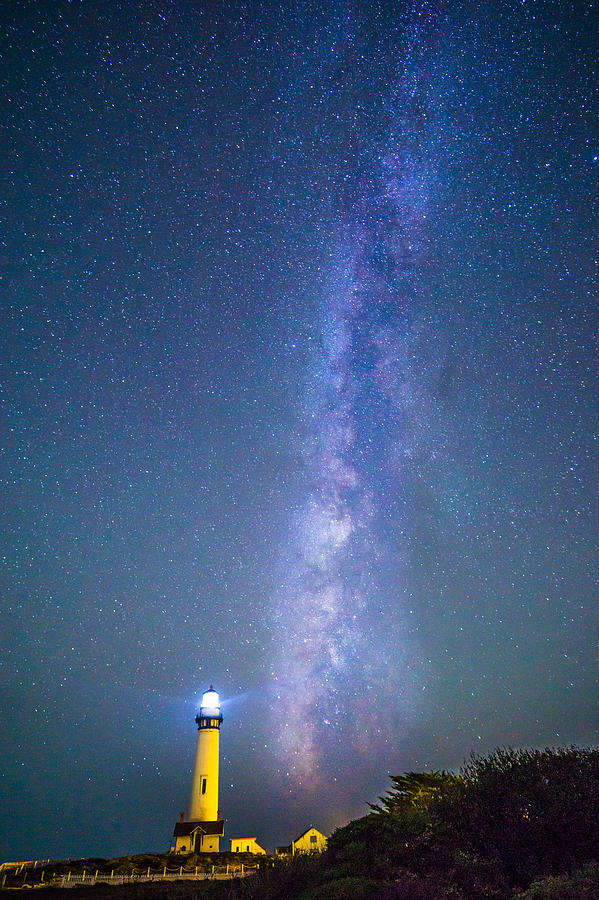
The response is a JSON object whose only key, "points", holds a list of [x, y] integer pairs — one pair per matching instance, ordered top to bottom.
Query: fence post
{"points": [[181, 870], [111, 873], [148, 873], [164, 873], [69, 877]]}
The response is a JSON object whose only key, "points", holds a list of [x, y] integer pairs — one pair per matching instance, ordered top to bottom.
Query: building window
{"points": [[204, 785], [313, 838], [248, 848]]}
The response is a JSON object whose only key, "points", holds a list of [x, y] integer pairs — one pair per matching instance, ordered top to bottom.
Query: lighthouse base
{"points": [[198, 837]]}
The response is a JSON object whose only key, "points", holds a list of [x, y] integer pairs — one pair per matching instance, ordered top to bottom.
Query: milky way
{"points": [[364, 422]]}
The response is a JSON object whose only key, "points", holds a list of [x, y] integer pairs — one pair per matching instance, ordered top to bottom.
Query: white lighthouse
{"points": [[204, 827]]}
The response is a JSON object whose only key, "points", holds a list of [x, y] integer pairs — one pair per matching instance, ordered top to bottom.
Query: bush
{"points": [[535, 813], [376, 843], [285, 879], [581, 885], [407, 886], [343, 889]]}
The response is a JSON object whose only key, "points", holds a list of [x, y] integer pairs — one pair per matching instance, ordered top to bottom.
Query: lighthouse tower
{"points": [[203, 803], [201, 832]]}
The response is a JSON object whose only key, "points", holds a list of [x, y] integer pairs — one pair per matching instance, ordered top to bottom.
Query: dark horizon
{"points": [[300, 311]]}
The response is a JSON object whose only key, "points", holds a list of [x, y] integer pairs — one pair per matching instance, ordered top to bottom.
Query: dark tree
{"points": [[415, 790]]}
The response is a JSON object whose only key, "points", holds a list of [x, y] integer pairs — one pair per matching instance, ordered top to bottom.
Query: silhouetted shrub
{"points": [[535, 813], [375, 843], [283, 880], [581, 885], [407, 886], [355, 888]]}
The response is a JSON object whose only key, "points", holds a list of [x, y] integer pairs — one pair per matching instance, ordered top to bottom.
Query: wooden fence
{"points": [[213, 873]]}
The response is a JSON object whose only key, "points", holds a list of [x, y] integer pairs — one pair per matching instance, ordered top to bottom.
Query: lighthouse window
{"points": [[203, 785]]}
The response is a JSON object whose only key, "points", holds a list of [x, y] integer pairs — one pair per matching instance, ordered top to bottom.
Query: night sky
{"points": [[299, 399]]}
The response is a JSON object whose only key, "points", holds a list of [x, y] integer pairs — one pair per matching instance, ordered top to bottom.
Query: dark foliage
{"points": [[415, 790], [532, 813], [512, 817], [376, 844], [283, 879], [581, 885], [407, 886], [354, 888]]}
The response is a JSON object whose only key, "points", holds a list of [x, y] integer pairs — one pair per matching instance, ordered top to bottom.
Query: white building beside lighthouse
{"points": [[204, 827]]}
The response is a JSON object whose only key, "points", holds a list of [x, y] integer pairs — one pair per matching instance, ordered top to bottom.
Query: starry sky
{"points": [[299, 399]]}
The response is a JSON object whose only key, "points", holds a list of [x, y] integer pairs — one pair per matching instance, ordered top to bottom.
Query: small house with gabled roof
{"points": [[198, 837], [310, 841]]}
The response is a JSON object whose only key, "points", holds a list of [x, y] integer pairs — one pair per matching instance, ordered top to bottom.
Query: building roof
{"points": [[182, 829]]}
